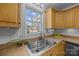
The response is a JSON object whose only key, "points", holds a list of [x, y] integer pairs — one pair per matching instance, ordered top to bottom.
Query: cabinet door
{"points": [[9, 13], [76, 17], [49, 18], [69, 18], [59, 21], [59, 49], [51, 52], [48, 53]]}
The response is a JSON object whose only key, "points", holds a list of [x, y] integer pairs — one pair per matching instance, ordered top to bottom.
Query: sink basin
{"points": [[38, 46]]}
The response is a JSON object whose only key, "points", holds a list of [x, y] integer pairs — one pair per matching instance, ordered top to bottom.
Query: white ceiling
{"points": [[58, 6]]}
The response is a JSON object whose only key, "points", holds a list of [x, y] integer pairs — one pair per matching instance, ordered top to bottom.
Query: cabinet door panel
{"points": [[9, 12], [76, 17], [49, 18], [69, 18], [59, 21]]}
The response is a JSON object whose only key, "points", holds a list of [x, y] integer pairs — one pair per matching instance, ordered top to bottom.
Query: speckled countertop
{"points": [[67, 38], [57, 39]]}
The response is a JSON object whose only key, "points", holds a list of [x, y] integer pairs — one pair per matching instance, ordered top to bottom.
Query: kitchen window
{"points": [[40, 5], [33, 21]]}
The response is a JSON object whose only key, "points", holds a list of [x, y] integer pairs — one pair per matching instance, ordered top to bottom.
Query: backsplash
{"points": [[49, 31], [71, 32], [7, 34]]}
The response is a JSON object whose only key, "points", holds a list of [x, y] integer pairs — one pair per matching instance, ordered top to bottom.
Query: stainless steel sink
{"points": [[39, 45]]}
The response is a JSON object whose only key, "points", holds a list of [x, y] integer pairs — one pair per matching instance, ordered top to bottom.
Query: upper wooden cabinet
{"points": [[9, 15], [76, 17], [49, 18], [69, 18], [62, 19], [59, 21]]}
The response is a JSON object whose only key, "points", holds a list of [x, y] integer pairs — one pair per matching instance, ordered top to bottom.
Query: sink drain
{"points": [[37, 50]]}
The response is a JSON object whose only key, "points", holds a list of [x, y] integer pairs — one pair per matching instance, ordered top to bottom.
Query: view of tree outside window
{"points": [[33, 21]]}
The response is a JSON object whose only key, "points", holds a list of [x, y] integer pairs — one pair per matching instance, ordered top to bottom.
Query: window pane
{"points": [[33, 21], [29, 23]]}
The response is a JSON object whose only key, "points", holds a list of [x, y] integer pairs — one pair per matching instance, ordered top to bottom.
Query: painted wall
{"points": [[71, 32]]}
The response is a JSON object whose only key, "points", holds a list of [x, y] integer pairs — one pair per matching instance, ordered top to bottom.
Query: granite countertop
{"points": [[67, 38], [58, 40]]}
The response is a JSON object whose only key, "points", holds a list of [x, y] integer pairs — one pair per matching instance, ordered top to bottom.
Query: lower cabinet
{"points": [[58, 50]]}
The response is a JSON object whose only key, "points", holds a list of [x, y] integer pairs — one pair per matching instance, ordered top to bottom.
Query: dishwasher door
{"points": [[72, 49]]}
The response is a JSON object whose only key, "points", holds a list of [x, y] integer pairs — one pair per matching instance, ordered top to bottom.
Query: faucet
{"points": [[41, 41]]}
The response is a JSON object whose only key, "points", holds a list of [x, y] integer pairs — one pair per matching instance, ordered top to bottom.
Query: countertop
{"points": [[67, 38], [57, 39]]}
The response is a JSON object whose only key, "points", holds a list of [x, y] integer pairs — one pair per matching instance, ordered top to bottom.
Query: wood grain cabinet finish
{"points": [[9, 14], [76, 16], [49, 18], [69, 18], [62, 19], [59, 20], [58, 50]]}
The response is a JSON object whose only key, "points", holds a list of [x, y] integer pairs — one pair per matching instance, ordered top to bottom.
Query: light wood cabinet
{"points": [[10, 14], [76, 16], [49, 18], [69, 18], [62, 19], [59, 21], [58, 50]]}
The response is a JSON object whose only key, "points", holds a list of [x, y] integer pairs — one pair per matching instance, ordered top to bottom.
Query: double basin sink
{"points": [[39, 45]]}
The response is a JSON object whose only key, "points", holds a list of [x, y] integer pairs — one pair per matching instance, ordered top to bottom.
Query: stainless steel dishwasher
{"points": [[72, 49]]}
